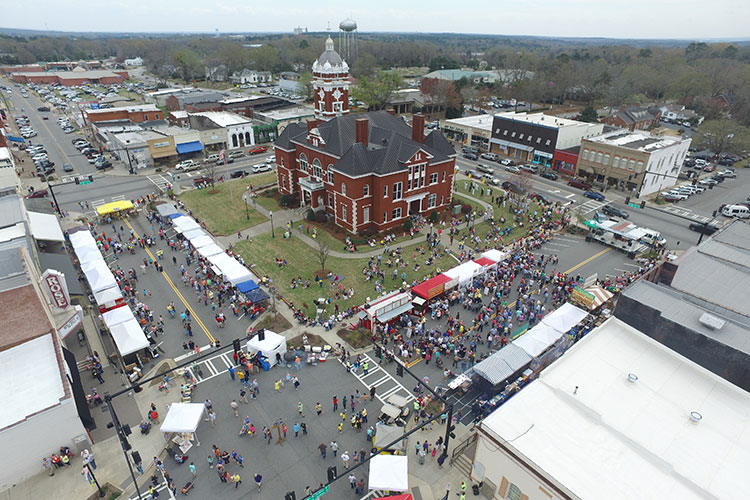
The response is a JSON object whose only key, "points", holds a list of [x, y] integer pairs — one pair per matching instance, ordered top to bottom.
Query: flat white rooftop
{"points": [[224, 118], [31, 380], [602, 436]]}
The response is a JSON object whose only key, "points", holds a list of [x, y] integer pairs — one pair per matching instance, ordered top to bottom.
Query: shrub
{"points": [[289, 200], [467, 209], [310, 214], [321, 216], [434, 217], [408, 225], [369, 232]]}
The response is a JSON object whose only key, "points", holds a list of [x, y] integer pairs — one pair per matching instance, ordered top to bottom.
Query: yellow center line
{"points": [[583, 263], [179, 295]]}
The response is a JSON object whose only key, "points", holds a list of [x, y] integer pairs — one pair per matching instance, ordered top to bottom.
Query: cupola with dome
{"points": [[330, 83]]}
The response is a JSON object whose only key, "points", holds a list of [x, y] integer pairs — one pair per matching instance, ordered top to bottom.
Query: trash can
{"points": [[475, 489]]}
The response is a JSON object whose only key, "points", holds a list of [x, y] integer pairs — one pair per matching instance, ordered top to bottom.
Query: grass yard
{"points": [[261, 179], [224, 215], [302, 261]]}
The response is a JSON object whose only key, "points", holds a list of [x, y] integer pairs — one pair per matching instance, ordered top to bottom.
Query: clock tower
{"points": [[330, 84]]}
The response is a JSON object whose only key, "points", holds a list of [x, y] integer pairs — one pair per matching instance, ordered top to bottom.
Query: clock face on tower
{"points": [[322, 94], [337, 94]]}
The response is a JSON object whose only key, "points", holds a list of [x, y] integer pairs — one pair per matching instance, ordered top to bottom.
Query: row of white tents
{"points": [[119, 319]]}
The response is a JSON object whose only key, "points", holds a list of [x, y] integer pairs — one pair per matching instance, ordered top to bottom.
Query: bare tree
{"points": [[209, 171], [323, 251]]}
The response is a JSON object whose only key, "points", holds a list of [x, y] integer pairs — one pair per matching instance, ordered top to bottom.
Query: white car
{"points": [[186, 165], [262, 167]]}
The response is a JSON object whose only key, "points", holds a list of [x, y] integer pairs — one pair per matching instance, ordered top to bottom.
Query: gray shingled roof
{"points": [[390, 143], [11, 212]]}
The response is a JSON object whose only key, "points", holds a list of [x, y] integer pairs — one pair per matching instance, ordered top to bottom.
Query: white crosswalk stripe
{"points": [[160, 181], [590, 206], [685, 212], [386, 384]]}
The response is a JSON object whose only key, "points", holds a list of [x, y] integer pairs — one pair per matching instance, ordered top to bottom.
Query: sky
{"points": [[686, 19]]}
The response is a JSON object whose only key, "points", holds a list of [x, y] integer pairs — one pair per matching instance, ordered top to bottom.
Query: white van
{"points": [[739, 211]]}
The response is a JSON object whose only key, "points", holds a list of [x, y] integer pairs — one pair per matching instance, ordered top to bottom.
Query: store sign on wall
{"points": [[54, 284]]}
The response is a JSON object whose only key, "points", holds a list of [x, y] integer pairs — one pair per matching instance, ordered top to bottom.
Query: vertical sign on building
{"points": [[54, 285]]}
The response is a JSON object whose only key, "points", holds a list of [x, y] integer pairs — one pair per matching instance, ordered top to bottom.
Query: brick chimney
{"points": [[311, 124], [417, 128], [362, 131]]}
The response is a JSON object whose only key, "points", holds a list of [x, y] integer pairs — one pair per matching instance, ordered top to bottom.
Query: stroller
{"points": [[145, 427], [178, 456]]}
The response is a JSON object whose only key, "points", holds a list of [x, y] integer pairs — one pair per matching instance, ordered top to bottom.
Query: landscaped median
{"points": [[224, 212], [302, 261]]}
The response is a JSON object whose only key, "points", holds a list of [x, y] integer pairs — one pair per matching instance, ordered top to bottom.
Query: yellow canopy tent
{"points": [[115, 206]]}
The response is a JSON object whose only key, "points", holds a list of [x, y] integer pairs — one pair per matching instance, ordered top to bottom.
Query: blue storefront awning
{"points": [[16, 139], [189, 147], [246, 286]]}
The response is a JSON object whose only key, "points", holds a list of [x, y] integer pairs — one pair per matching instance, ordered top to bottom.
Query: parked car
{"points": [[43, 109], [258, 150], [236, 154], [471, 156], [490, 156], [507, 161], [103, 165], [186, 165], [262, 167], [485, 168], [708, 168], [513, 169], [532, 169], [238, 173], [548, 174], [727, 174], [201, 180], [577, 183], [513, 187], [39, 193], [594, 195], [673, 196], [541, 198], [615, 212], [703, 228]]}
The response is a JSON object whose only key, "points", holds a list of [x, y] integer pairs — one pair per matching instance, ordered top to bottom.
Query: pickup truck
{"points": [[186, 165]]}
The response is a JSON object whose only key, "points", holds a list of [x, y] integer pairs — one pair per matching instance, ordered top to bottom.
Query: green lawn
{"points": [[223, 214], [302, 261]]}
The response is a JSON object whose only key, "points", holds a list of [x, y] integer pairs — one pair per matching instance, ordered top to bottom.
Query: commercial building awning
{"points": [[13, 138], [500, 142], [189, 147], [522, 147], [543, 154], [45, 227], [394, 313]]}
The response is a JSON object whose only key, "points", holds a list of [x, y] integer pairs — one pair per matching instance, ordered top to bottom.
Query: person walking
{"points": [[243, 396], [335, 403], [235, 406], [318, 408], [300, 409], [212, 418], [296, 429], [322, 447], [334, 447], [345, 458], [48, 466], [192, 469], [237, 480], [352, 480], [258, 481]]}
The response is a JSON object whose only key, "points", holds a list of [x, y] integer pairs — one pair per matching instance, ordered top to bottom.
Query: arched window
{"points": [[248, 139], [234, 141], [303, 162], [317, 169], [330, 172], [343, 189]]}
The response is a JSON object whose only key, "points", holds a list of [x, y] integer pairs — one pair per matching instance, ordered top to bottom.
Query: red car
{"points": [[258, 149], [201, 180], [579, 184], [39, 193]]}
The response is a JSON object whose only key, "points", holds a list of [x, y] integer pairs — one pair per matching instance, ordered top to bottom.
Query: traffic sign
{"points": [[85, 182], [634, 205], [320, 493]]}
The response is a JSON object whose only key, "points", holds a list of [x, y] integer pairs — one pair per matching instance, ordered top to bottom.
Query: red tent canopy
{"points": [[484, 261], [431, 287], [406, 496]]}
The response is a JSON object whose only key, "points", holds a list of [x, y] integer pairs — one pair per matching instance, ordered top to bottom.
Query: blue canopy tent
{"points": [[13, 138], [247, 286], [256, 295]]}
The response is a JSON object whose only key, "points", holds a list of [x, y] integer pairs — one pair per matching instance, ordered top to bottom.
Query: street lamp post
{"points": [[247, 214], [270, 214], [88, 470]]}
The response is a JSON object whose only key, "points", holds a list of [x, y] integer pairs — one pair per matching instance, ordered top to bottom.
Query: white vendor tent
{"points": [[185, 224], [45, 227], [194, 233], [81, 239], [202, 240], [209, 250], [86, 254], [496, 255], [231, 268], [465, 272], [98, 275], [107, 295], [118, 315], [565, 317], [552, 327], [128, 336], [272, 343], [182, 417], [389, 472]]}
